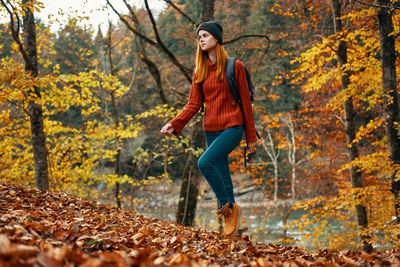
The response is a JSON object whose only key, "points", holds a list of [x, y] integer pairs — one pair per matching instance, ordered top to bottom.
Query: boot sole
{"points": [[238, 224]]}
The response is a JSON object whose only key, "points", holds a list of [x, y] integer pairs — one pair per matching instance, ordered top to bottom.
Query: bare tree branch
{"points": [[391, 6], [131, 11], [181, 12], [137, 22], [15, 32], [256, 35], [142, 36], [248, 36], [159, 44], [152, 67], [185, 71], [157, 77], [178, 92], [15, 103]]}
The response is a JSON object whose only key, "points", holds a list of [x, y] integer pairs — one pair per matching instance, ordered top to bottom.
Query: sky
{"points": [[56, 12]]}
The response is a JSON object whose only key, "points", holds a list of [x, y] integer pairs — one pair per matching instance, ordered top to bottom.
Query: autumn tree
{"points": [[28, 50], [391, 98], [349, 121], [77, 154]]}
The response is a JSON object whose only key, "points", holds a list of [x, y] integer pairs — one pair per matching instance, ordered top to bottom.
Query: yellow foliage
{"points": [[319, 74], [74, 154]]}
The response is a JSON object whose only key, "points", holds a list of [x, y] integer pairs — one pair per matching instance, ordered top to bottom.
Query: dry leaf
{"points": [[173, 239], [5, 245], [22, 251], [178, 258], [159, 260]]}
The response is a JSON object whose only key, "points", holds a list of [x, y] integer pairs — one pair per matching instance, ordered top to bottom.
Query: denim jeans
{"points": [[214, 164]]}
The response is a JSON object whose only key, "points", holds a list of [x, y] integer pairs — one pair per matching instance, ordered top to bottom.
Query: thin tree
{"points": [[108, 42], [28, 51], [389, 84], [350, 129], [269, 147], [292, 150]]}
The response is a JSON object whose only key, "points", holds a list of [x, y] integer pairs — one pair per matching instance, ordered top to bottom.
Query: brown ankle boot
{"points": [[231, 213]]}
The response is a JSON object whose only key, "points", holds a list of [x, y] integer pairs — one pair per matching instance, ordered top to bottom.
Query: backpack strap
{"points": [[230, 77], [249, 84], [200, 88]]}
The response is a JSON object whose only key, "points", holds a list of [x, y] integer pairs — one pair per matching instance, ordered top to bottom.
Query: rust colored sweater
{"points": [[221, 111]]}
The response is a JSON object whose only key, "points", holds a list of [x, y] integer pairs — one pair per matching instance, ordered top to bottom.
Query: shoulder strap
{"points": [[230, 77], [249, 84], [200, 87]]}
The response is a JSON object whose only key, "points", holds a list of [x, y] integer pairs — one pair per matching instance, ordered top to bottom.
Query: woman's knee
{"points": [[203, 162], [200, 163]]}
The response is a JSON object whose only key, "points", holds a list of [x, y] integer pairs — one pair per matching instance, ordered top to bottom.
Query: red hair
{"points": [[202, 63]]}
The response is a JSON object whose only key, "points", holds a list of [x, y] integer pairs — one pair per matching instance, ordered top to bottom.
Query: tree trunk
{"points": [[208, 8], [388, 57], [35, 110], [115, 115], [270, 149], [292, 154], [117, 169], [355, 173], [191, 176], [191, 181], [276, 185], [285, 213]]}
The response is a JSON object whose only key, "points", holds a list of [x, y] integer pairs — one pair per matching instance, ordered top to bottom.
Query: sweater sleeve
{"points": [[240, 76], [192, 107]]}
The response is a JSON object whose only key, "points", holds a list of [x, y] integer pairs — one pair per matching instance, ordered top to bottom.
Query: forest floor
{"points": [[40, 228]]}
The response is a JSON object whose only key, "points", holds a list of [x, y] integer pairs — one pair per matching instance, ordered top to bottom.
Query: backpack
{"points": [[230, 77]]}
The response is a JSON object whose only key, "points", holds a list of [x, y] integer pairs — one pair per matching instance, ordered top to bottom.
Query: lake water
{"points": [[265, 225], [263, 228]]}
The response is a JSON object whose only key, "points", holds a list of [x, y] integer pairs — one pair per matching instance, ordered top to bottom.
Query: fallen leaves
{"points": [[39, 228], [8, 250]]}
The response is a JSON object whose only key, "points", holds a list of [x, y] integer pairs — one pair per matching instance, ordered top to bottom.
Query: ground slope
{"points": [[39, 228]]}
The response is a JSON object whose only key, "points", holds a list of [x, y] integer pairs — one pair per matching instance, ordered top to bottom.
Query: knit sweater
{"points": [[221, 111]]}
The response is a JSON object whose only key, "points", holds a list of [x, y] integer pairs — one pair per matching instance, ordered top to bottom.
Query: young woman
{"points": [[223, 118]]}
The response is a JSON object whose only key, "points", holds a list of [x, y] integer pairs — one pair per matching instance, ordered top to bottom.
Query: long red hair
{"points": [[202, 63]]}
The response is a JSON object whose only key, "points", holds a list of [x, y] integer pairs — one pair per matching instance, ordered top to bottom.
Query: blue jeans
{"points": [[214, 164]]}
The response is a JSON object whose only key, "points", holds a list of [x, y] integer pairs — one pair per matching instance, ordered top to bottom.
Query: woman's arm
{"points": [[192, 107]]}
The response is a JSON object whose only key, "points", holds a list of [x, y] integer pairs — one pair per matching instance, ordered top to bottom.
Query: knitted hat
{"points": [[213, 27]]}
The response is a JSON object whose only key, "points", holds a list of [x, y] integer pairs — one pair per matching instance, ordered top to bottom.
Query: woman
{"points": [[223, 119]]}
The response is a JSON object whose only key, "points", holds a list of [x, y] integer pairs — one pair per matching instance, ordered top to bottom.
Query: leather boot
{"points": [[232, 213]]}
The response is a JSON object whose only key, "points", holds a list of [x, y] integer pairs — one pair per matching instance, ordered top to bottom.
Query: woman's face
{"points": [[206, 40]]}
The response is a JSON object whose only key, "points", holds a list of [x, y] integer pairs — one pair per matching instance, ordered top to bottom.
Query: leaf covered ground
{"points": [[39, 228]]}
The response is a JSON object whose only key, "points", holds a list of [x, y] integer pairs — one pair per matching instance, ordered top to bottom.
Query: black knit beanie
{"points": [[213, 27]]}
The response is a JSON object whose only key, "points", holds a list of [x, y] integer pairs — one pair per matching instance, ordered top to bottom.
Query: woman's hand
{"points": [[168, 129]]}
